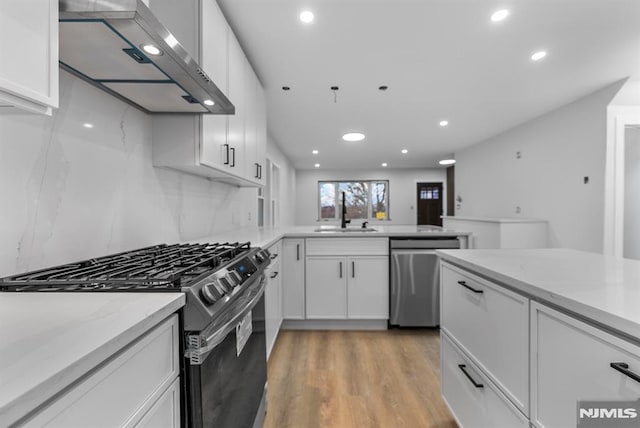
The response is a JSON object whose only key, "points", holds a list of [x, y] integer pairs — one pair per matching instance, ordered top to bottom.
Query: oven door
{"points": [[227, 371]]}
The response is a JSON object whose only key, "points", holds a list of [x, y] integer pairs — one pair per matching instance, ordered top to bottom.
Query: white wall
{"points": [[557, 151], [402, 190], [631, 192], [71, 193]]}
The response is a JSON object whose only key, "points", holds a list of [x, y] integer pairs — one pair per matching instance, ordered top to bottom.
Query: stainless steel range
{"points": [[222, 324]]}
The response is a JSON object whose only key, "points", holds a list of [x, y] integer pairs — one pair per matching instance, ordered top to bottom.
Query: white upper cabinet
{"points": [[28, 56], [219, 147]]}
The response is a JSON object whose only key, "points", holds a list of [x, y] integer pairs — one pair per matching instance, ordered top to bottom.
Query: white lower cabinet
{"points": [[293, 277], [347, 278], [273, 296], [492, 324], [571, 362], [137, 387], [472, 397]]}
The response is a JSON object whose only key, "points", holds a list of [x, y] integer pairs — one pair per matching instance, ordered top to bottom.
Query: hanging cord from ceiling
{"points": [[335, 93]]}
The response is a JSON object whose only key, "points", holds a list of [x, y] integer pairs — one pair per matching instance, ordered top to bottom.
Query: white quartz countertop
{"points": [[495, 220], [264, 237], [603, 289], [50, 340]]}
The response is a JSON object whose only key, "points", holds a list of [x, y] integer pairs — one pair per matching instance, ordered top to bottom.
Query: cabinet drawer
{"points": [[347, 246], [490, 323], [571, 361], [121, 391], [472, 405], [165, 412]]}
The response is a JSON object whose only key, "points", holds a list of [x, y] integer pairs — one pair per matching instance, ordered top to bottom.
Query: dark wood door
{"points": [[429, 197]]}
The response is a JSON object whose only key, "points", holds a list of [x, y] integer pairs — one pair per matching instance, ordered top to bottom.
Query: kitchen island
{"points": [[529, 335], [53, 344]]}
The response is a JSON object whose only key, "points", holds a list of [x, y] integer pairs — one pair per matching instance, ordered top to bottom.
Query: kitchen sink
{"points": [[348, 229]]}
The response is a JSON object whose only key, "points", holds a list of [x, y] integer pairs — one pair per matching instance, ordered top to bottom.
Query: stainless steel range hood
{"points": [[109, 43]]}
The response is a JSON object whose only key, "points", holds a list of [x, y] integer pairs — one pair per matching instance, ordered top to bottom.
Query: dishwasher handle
{"points": [[424, 244]]}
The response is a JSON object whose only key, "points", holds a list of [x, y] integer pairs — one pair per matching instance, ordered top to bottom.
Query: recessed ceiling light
{"points": [[499, 15], [306, 16], [152, 49], [538, 55], [209, 102], [444, 122], [87, 125], [353, 136], [404, 151], [315, 152], [447, 162], [384, 164], [317, 165]]}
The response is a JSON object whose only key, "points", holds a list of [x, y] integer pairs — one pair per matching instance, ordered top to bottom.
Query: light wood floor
{"points": [[356, 379]]}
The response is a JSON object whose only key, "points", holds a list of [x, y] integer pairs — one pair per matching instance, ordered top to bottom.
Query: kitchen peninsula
{"points": [[529, 333]]}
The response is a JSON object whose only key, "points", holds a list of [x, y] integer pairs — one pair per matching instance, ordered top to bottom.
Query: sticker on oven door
{"points": [[243, 332]]}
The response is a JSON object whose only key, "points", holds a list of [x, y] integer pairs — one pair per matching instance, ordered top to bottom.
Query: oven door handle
{"points": [[200, 345]]}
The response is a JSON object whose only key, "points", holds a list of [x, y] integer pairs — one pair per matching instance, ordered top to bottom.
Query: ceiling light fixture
{"points": [[499, 15], [306, 17], [152, 49], [538, 55], [209, 102], [444, 122], [88, 125], [353, 136], [404, 151], [315, 152], [448, 161], [384, 164], [317, 165]]}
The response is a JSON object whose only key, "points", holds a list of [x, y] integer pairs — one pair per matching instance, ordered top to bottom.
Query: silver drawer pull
{"points": [[476, 384]]}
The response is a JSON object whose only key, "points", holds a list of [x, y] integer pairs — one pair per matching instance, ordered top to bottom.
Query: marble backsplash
{"points": [[72, 192]]}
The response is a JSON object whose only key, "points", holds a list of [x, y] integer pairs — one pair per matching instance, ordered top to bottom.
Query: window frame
{"points": [[369, 199]]}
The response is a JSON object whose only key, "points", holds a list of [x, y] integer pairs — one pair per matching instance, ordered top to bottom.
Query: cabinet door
{"points": [[29, 52], [214, 57], [250, 129], [261, 131], [235, 135], [293, 277], [368, 287], [326, 293], [272, 305], [490, 323], [571, 362], [121, 391]]}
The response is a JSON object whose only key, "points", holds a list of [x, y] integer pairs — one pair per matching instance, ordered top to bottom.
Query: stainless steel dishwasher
{"points": [[415, 277]]}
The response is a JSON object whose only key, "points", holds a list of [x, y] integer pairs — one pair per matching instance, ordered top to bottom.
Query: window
{"points": [[363, 199]]}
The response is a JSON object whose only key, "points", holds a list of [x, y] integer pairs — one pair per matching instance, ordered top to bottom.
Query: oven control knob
{"points": [[259, 257], [236, 276], [229, 279], [223, 285], [209, 293]]}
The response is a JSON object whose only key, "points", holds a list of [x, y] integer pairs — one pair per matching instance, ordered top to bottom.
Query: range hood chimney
{"points": [[121, 47]]}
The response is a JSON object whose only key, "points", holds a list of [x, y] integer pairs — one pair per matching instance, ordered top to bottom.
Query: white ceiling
{"points": [[441, 59]]}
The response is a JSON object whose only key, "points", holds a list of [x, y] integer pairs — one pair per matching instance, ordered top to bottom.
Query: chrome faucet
{"points": [[343, 217]]}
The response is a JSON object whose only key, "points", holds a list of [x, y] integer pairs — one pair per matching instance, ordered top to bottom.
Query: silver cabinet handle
{"points": [[233, 152], [297, 251], [340, 269], [353, 269], [273, 275]]}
